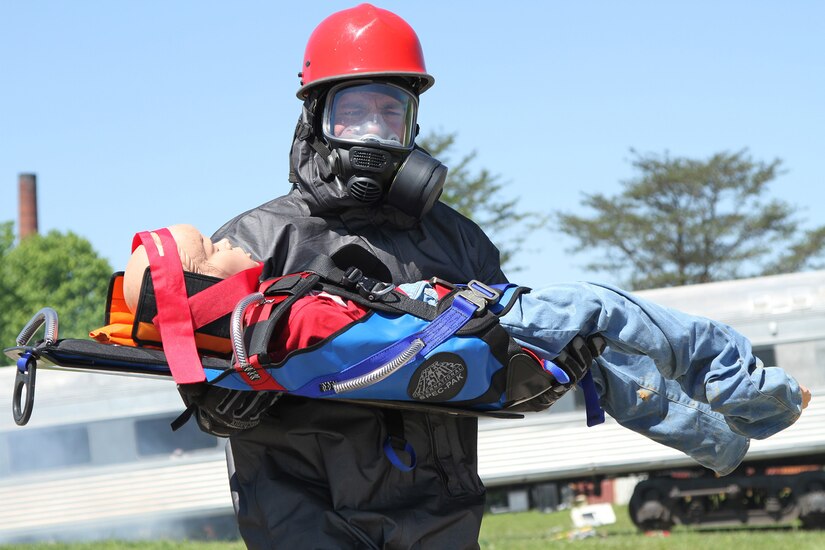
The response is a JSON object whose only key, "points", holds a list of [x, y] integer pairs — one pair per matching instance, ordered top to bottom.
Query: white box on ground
{"points": [[592, 515]]}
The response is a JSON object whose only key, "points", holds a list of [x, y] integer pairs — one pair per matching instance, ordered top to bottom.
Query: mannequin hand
{"points": [[806, 395]]}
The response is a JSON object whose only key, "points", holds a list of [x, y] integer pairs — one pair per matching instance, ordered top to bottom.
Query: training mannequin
{"points": [[197, 254], [692, 358]]}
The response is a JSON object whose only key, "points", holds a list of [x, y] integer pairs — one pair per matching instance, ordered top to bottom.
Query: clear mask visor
{"points": [[378, 113]]}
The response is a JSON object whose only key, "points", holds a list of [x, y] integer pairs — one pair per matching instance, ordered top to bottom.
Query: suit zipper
{"points": [[436, 459]]}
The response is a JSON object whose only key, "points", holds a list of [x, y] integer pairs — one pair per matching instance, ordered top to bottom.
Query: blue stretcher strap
{"points": [[447, 324], [23, 362], [556, 371], [595, 413], [393, 457]]}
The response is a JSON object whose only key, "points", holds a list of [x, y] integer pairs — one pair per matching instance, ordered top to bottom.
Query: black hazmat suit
{"points": [[313, 474]]}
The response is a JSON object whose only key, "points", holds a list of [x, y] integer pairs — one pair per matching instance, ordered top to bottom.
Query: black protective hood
{"points": [[322, 195]]}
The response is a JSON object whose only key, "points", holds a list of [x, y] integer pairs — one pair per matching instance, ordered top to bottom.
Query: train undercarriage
{"points": [[751, 496]]}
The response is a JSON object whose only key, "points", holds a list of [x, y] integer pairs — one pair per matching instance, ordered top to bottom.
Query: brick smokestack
{"points": [[27, 218]]}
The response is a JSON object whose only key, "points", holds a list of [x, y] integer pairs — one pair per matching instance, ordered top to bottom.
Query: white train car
{"points": [[97, 459]]}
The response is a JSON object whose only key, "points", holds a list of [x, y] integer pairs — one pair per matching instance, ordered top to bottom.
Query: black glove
{"points": [[577, 356], [575, 359], [224, 412]]}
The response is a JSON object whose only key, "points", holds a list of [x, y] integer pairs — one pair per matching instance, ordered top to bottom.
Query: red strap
{"points": [[442, 290], [221, 298], [261, 313], [174, 317], [261, 380]]}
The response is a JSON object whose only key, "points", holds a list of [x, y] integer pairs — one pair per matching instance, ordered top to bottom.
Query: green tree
{"points": [[479, 196], [685, 221], [58, 270], [8, 297]]}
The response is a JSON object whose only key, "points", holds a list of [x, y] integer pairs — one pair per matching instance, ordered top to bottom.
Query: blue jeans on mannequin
{"points": [[685, 381]]}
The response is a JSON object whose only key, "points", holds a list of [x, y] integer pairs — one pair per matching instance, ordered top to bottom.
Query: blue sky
{"points": [[139, 114]]}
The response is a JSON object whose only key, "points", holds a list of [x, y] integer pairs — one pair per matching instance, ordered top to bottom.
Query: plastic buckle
{"points": [[303, 131], [352, 277], [439, 281], [372, 289], [480, 295]]}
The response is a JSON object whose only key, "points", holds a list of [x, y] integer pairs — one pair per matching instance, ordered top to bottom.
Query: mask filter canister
{"points": [[418, 184]]}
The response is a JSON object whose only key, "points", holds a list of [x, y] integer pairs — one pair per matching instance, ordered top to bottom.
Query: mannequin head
{"points": [[197, 254]]}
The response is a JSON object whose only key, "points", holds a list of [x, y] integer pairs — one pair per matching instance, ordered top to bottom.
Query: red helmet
{"points": [[363, 41]]}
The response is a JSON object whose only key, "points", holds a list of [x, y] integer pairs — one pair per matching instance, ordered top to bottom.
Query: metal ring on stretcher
{"points": [[27, 363], [22, 410]]}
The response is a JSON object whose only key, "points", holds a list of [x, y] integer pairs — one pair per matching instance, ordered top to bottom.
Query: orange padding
{"points": [[121, 320], [121, 326]]}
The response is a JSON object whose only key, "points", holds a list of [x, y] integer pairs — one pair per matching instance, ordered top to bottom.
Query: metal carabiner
{"points": [[373, 289], [480, 295]]}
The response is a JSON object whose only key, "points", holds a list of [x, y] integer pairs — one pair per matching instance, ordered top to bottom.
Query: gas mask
{"points": [[370, 128]]}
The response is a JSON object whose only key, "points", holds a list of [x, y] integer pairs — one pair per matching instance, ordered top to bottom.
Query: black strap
{"points": [[304, 132], [327, 268], [352, 284], [392, 302], [258, 336], [183, 418], [395, 425]]}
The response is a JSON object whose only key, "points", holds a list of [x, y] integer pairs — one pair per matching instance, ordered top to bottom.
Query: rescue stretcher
{"points": [[455, 350], [80, 355]]}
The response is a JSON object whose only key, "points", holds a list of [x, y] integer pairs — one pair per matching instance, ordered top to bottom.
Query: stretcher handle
{"points": [[46, 316], [236, 326], [27, 363], [381, 372]]}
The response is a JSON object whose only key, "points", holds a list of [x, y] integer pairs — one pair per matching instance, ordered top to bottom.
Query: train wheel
{"points": [[648, 508], [812, 510]]}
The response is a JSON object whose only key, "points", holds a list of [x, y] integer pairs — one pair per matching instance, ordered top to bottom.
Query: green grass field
{"points": [[535, 530]]}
